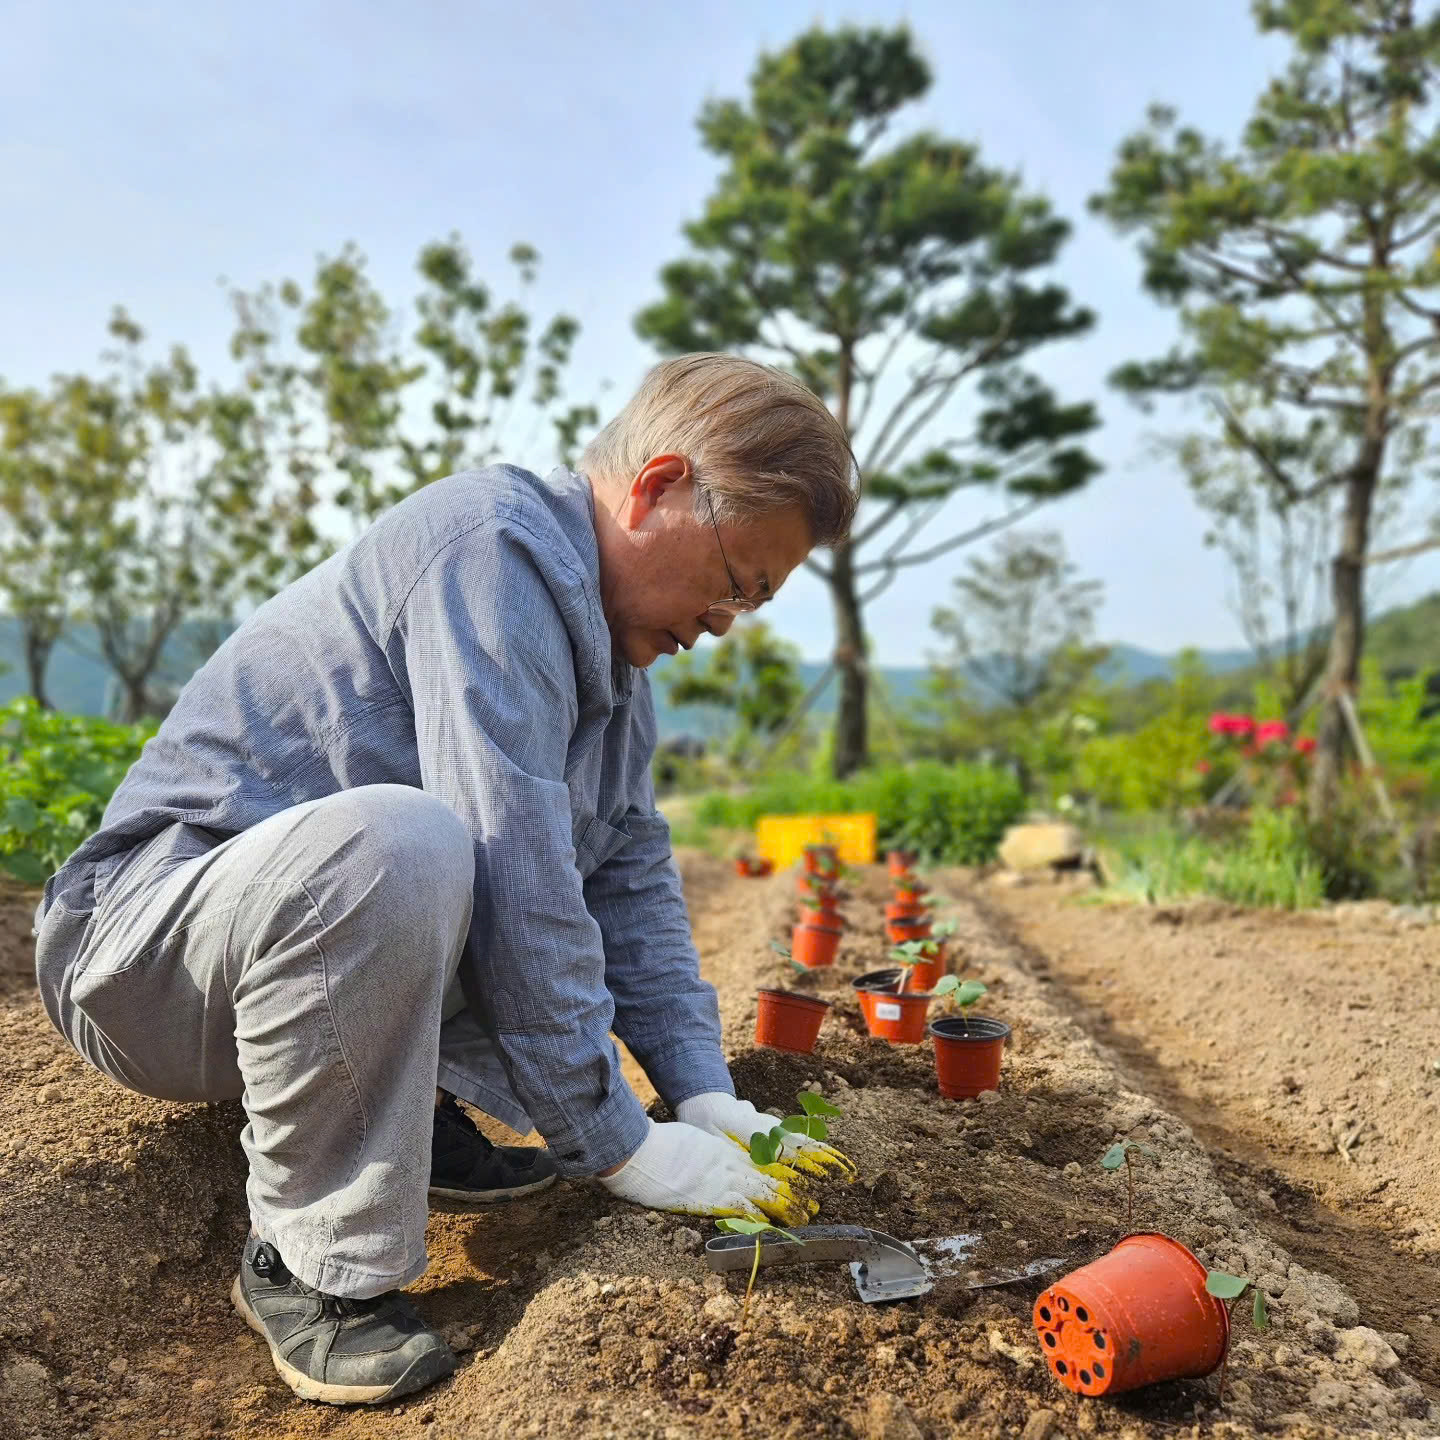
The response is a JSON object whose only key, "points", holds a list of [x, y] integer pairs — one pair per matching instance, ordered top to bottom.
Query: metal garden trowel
{"points": [[884, 1268]]}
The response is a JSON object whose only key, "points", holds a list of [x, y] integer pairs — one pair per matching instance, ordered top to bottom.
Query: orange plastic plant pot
{"points": [[821, 860], [900, 863], [753, 869], [807, 883], [910, 894], [895, 911], [825, 914], [900, 931], [813, 946], [925, 974], [898, 1018], [786, 1021], [968, 1053], [1132, 1317]]}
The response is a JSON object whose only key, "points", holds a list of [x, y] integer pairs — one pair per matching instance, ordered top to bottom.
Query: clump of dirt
{"points": [[574, 1314]]}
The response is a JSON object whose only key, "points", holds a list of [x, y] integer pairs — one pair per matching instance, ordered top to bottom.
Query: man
{"points": [[397, 843]]}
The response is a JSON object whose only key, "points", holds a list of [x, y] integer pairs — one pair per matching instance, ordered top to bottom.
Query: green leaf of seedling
{"points": [[941, 928], [780, 949], [945, 984], [969, 993], [813, 1104], [809, 1125], [765, 1149], [1143, 1149], [1114, 1157], [1224, 1286], [1260, 1315]]}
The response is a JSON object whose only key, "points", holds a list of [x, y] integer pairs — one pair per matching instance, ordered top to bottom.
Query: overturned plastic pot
{"points": [[813, 945], [896, 1016], [787, 1021], [968, 1054], [1133, 1317]]}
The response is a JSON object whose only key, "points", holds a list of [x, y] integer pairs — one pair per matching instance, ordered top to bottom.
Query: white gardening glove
{"points": [[737, 1120], [682, 1168]]}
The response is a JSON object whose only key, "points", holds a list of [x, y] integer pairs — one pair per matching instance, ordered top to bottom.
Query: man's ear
{"points": [[646, 489]]}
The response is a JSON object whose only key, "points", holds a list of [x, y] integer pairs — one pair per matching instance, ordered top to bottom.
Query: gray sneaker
{"points": [[344, 1352]]}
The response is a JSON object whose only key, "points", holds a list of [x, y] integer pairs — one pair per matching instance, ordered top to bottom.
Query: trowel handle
{"points": [[815, 1242]]}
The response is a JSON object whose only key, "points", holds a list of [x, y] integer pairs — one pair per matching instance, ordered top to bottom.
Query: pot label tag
{"points": [[884, 1011]]}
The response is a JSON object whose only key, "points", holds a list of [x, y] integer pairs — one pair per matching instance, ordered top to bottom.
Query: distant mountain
{"points": [[79, 681]]}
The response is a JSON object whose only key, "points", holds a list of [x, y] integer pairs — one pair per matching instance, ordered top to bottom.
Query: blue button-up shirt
{"points": [[459, 646]]}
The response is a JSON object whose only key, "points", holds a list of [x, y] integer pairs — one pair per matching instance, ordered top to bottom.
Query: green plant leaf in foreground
{"points": [[780, 949], [813, 1104], [810, 1125], [765, 1148], [1114, 1157], [1223, 1285], [1260, 1315]]}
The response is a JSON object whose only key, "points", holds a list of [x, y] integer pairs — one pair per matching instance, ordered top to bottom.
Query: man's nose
{"points": [[715, 624]]}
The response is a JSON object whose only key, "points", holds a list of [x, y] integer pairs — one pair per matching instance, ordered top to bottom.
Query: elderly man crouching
{"points": [[397, 843]]}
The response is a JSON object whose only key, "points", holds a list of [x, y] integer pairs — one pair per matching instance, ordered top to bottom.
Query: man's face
{"points": [[662, 567]]}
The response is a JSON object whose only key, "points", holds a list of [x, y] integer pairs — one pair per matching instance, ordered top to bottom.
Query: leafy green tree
{"points": [[1305, 267], [892, 275], [361, 418], [186, 518], [35, 529], [1020, 632], [751, 672]]}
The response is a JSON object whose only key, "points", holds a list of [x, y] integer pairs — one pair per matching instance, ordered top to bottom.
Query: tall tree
{"points": [[1304, 263], [888, 274], [361, 417], [189, 526], [35, 529], [1277, 547], [1022, 622], [751, 672]]}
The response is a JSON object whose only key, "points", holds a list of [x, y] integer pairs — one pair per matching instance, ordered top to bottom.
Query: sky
{"points": [[149, 150]]}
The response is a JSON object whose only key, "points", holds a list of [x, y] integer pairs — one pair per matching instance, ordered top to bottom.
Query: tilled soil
{"points": [[121, 1219]]}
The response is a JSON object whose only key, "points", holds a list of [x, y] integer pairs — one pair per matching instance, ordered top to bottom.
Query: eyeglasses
{"points": [[738, 602]]}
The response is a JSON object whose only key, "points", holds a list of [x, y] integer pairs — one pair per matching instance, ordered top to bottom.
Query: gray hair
{"points": [[757, 440]]}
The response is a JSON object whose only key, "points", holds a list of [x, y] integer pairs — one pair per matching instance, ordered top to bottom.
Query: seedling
{"points": [[911, 953], [963, 993], [766, 1146], [1119, 1154], [756, 1228], [1224, 1286]]}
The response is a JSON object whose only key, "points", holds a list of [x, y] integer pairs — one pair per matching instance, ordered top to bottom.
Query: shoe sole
{"points": [[493, 1197], [425, 1371]]}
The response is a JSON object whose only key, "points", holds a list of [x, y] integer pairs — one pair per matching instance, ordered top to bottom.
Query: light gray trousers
{"points": [[300, 967]]}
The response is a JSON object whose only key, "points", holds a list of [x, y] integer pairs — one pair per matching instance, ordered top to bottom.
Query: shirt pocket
{"points": [[595, 842]]}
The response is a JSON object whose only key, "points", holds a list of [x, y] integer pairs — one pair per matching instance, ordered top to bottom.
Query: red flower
{"points": [[1221, 724], [1271, 731], [1305, 745], [1203, 766]]}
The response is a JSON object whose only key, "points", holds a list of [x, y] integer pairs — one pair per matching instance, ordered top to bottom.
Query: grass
{"points": [[1268, 865]]}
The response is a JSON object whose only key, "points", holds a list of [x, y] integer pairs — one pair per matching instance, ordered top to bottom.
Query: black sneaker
{"points": [[464, 1165], [344, 1352]]}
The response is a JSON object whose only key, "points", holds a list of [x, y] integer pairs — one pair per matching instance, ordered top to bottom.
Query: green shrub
{"points": [[59, 774], [955, 814], [1271, 863]]}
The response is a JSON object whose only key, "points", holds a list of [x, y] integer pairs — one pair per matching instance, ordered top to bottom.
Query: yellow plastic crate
{"points": [[782, 839]]}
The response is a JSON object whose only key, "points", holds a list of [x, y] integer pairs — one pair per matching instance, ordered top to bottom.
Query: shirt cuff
{"points": [[682, 1073], [610, 1136]]}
